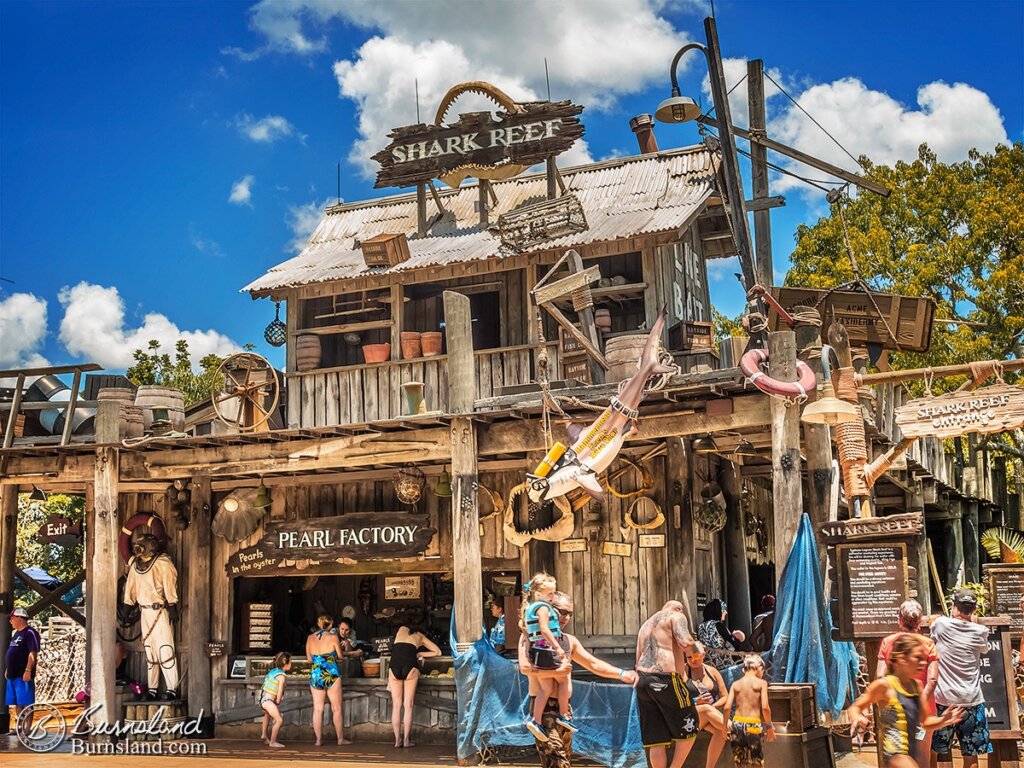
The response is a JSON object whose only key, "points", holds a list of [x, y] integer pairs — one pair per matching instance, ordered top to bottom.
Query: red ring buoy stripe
{"points": [[751, 363], [150, 519]]}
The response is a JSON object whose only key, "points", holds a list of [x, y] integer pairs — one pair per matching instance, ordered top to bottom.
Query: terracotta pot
{"points": [[603, 320], [431, 341], [411, 344], [307, 352], [376, 353]]}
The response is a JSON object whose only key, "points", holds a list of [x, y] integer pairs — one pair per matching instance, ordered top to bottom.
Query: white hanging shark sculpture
{"points": [[596, 446]]}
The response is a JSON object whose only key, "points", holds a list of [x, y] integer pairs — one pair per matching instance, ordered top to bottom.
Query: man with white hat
{"points": [[961, 642], [20, 671]]}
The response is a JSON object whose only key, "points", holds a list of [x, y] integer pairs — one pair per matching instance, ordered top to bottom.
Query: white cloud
{"points": [[591, 46], [951, 119], [267, 129], [241, 191], [303, 220], [203, 245], [723, 270], [93, 327], [22, 331]]}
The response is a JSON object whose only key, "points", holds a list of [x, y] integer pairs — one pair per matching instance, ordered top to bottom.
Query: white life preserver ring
{"points": [[751, 363]]}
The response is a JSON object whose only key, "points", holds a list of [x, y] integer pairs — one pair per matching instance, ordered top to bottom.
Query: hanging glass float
{"points": [[276, 332], [409, 482]]}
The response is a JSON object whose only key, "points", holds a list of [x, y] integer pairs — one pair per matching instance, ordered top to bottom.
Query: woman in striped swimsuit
{"points": [[902, 717]]}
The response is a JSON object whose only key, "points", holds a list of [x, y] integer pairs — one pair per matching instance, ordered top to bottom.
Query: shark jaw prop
{"points": [[596, 446]]}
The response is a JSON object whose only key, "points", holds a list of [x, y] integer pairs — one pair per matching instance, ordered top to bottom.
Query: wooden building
{"points": [[651, 223]]}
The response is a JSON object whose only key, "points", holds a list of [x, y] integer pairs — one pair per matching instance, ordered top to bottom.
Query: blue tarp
{"points": [[50, 582], [802, 648]]}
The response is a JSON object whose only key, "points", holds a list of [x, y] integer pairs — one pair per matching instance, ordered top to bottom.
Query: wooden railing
{"points": [[369, 393]]}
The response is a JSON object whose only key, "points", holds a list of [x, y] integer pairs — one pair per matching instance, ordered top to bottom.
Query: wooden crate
{"points": [[385, 250], [909, 317], [690, 335], [794, 704]]}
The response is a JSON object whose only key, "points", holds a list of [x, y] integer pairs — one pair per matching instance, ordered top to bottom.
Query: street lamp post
{"points": [[680, 109]]}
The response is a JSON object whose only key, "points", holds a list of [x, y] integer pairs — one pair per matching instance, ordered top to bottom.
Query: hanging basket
{"points": [[276, 332], [409, 482], [710, 515]]}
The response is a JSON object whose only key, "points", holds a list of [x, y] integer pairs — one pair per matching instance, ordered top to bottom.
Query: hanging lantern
{"points": [[276, 332], [409, 482], [443, 487], [262, 496]]}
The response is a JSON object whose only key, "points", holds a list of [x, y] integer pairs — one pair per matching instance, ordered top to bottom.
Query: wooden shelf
{"points": [[611, 294], [328, 330]]}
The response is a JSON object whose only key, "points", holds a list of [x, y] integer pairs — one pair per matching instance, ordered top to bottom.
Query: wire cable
{"points": [[811, 118]]}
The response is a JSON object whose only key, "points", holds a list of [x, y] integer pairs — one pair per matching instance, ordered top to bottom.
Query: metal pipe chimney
{"points": [[643, 127]]}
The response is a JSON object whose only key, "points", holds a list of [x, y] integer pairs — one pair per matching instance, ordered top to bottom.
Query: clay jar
{"points": [[603, 320], [431, 342], [411, 344], [376, 353]]}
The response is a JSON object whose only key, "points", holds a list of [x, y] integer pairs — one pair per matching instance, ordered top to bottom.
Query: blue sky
{"points": [[158, 156]]}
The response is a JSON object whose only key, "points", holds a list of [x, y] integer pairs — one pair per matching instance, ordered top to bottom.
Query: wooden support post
{"points": [[759, 173], [552, 176], [483, 202], [421, 210], [575, 262], [839, 340], [69, 409], [293, 413], [817, 438], [787, 495], [104, 526], [971, 543], [8, 547], [737, 575], [682, 581], [469, 615], [200, 686]]}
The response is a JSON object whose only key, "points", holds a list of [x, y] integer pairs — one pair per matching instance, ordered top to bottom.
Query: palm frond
{"points": [[1004, 544]]}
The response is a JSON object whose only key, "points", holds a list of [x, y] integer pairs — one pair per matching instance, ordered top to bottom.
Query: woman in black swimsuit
{"points": [[403, 674], [703, 679]]}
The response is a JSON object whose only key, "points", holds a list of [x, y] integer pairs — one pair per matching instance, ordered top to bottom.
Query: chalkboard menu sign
{"points": [[872, 585], [1006, 585], [257, 627], [994, 680]]}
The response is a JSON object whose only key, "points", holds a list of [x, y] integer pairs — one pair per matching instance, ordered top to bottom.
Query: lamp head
{"points": [[677, 109], [829, 409], [705, 444], [745, 449], [443, 487], [38, 494], [262, 497]]}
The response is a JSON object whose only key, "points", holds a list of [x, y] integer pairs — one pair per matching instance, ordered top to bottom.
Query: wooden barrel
{"points": [[307, 352], [622, 353], [152, 396], [132, 423]]}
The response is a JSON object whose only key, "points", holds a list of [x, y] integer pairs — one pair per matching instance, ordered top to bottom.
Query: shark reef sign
{"points": [[485, 145], [997, 408], [341, 538]]}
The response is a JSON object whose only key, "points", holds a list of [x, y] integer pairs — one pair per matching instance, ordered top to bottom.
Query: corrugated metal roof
{"points": [[623, 197]]}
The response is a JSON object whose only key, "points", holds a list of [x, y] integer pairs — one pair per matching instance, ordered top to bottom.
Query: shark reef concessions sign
{"points": [[483, 145], [997, 408], [361, 536]]}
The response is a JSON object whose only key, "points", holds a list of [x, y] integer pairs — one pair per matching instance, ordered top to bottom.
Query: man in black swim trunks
{"points": [[666, 702], [556, 751]]}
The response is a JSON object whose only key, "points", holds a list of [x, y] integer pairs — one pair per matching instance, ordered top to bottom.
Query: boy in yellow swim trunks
{"points": [[752, 719]]}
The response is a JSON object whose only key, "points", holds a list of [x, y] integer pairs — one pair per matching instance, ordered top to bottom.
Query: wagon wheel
{"points": [[247, 393]]}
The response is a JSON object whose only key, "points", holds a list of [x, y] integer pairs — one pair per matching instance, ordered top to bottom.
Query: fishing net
{"points": [[493, 702]]}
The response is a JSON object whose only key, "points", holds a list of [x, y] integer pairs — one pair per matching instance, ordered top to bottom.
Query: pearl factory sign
{"points": [[997, 408], [358, 536]]}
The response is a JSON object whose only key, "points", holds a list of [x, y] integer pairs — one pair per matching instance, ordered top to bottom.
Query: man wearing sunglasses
{"points": [[556, 750]]}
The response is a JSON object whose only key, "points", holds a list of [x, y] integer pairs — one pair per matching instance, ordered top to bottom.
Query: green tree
{"points": [[950, 232], [155, 367], [61, 562]]}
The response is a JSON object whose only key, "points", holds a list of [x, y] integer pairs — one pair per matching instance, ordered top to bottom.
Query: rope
{"points": [[582, 298], [808, 316], [646, 481]]}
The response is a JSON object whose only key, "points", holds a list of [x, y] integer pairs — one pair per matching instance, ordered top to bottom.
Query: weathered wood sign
{"points": [[479, 145], [529, 225], [907, 317], [997, 408], [57, 529], [360, 536], [651, 540], [572, 545], [617, 548], [872, 585], [1006, 585], [397, 588]]}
